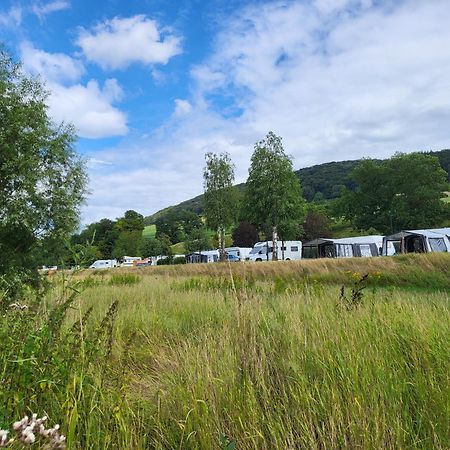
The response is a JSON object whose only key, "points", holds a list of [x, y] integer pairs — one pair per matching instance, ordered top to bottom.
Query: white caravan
{"points": [[287, 250], [238, 253], [128, 261], [104, 264]]}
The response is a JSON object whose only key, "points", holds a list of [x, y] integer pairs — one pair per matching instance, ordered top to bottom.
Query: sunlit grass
{"points": [[276, 362]]}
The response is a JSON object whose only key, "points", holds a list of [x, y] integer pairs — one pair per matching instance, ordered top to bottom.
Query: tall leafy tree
{"points": [[43, 180], [403, 192], [273, 195], [220, 198]]}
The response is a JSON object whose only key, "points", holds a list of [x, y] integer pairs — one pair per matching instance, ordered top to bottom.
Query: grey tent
{"points": [[417, 241], [356, 246]]}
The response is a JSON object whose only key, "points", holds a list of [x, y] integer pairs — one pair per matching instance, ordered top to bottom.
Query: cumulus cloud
{"points": [[43, 9], [117, 43], [51, 66], [337, 80], [89, 108]]}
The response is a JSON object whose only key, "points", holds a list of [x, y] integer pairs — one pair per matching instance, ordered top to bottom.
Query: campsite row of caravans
{"points": [[406, 241]]}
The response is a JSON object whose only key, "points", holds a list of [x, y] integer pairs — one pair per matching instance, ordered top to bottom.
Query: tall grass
{"points": [[247, 356], [280, 364]]}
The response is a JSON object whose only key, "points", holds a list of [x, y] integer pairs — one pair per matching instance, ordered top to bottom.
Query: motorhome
{"points": [[417, 241], [357, 246], [286, 250], [237, 253], [104, 264]]}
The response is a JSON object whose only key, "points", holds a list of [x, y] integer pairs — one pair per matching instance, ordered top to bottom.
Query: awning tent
{"points": [[417, 241], [359, 246]]}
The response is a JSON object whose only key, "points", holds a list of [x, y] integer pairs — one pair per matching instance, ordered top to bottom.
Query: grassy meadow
{"points": [[285, 355]]}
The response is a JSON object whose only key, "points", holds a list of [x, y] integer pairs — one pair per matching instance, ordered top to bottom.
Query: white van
{"points": [[287, 250], [104, 264]]}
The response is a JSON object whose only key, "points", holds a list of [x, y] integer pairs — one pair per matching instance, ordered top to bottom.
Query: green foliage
{"points": [[42, 178], [403, 192], [273, 195], [220, 198], [177, 225], [198, 240], [128, 243], [150, 247], [179, 260], [164, 261]]}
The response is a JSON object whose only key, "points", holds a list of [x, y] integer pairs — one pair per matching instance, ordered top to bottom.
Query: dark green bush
{"points": [[179, 260]]}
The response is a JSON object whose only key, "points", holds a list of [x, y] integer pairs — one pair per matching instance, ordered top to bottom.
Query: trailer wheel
{"points": [[258, 259], [287, 259]]}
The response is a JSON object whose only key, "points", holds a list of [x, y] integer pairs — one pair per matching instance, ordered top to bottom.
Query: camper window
{"points": [[437, 245], [294, 249], [365, 250], [344, 251]]}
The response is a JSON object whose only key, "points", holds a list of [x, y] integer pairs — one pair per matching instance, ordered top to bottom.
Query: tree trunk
{"points": [[221, 235], [274, 244], [282, 249]]}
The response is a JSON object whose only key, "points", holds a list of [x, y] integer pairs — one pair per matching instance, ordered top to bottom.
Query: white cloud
{"points": [[43, 9], [12, 17], [117, 43], [51, 66], [335, 82], [182, 107], [89, 108]]}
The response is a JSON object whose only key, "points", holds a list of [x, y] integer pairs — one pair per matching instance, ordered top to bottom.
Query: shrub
{"points": [[179, 260], [164, 261]]}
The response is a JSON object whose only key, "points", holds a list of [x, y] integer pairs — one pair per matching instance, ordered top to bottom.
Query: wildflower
{"points": [[28, 431], [4, 441]]}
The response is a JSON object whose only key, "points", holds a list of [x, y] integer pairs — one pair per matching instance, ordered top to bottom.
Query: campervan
{"points": [[417, 241], [359, 246], [286, 250], [128, 261], [104, 264]]}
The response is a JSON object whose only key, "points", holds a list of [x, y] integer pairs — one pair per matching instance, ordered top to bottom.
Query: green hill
{"points": [[322, 181]]}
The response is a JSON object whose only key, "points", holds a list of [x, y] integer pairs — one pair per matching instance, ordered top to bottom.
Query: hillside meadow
{"points": [[320, 354]]}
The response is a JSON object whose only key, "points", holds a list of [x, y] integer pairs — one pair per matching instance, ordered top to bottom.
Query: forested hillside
{"points": [[322, 181]]}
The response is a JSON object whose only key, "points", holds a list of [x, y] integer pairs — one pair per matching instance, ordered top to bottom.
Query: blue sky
{"points": [[151, 86]]}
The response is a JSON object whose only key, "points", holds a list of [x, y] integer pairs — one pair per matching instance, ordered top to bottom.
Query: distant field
{"points": [[149, 231], [272, 355]]}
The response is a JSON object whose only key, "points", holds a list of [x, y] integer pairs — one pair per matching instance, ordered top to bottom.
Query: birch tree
{"points": [[273, 196], [220, 198]]}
